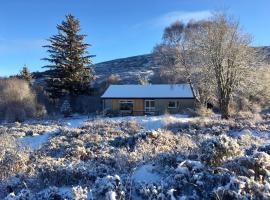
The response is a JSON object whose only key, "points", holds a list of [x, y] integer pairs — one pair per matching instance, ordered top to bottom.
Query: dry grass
{"points": [[17, 101]]}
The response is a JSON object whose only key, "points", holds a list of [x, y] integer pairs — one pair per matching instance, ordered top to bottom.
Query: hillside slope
{"points": [[130, 69]]}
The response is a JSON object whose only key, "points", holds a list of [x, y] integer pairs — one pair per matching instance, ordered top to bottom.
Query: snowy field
{"points": [[149, 123], [166, 157]]}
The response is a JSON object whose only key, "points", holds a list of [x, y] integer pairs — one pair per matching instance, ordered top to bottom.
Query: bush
{"points": [[17, 101], [66, 108], [204, 112], [216, 150], [12, 159], [256, 166], [110, 187]]}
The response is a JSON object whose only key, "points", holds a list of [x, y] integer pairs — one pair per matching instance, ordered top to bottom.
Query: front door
{"points": [[149, 106]]}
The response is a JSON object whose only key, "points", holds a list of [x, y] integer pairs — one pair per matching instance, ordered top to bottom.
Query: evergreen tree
{"points": [[70, 63], [26, 74]]}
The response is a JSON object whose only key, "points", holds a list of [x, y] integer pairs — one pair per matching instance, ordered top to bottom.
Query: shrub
{"points": [[17, 101], [66, 108], [204, 112], [216, 150], [12, 159], [256, 166], [110, 187], [80, 193], [22, 195]]}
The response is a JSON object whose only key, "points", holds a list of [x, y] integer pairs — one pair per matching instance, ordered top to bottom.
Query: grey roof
{"points": [[149, 91]]}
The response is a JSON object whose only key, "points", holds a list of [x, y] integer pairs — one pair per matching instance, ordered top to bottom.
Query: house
{"points": [[147, 99]]}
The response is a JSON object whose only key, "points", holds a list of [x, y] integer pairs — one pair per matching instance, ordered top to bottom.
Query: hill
{"points": [[130, 69]]}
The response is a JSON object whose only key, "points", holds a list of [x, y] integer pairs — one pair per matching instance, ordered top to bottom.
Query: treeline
{"points": [[215, 56], [70, 77]]}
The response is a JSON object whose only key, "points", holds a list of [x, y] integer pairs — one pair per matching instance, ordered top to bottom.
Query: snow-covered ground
{"points": [[76, 121], [148, 122], [154, 122], [264, 136], [35, 142], [148, 163], [146, 174]]}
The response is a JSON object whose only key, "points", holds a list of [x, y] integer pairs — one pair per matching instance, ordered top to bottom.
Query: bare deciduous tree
{"points": [[226, 50], [214, 56], [179, 60], [17, 101]]}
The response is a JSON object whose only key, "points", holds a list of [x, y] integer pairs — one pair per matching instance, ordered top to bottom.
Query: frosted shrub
{"points": [[17, 101], [66, 108], [203, 111], [113, 128], [25, 129], [265, 148], [216, 150], [12, 159], [256, 166], [60, 173], [191, 179], [251, 180], [110, 187], [243, 188], [151, 191], [53, 193], [80, 193], [24, 194]]}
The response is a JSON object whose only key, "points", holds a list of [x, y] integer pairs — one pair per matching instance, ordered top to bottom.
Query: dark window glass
{"points": [[172, 104], [126, 105]]}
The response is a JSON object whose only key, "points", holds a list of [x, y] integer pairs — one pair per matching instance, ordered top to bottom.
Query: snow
{"points": [[149, 91], [76, 122], [148, 122], [154, 122], [264, 135], [36, 141], [145, 174], [64, 191], [170, 193], [111, 195]]}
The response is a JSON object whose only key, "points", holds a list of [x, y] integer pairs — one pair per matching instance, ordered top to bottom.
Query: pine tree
{"points": [[70, 63], [26, 74]]}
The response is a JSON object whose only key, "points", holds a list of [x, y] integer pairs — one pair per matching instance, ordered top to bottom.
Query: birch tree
{"points": [[226, 50], [214, 56], [179, 60]]}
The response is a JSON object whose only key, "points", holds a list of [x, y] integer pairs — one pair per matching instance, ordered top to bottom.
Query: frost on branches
{"points": [[114, 159]]}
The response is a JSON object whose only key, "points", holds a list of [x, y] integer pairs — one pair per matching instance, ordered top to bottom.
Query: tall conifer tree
{"points": [[69, 61], [26, 74]]}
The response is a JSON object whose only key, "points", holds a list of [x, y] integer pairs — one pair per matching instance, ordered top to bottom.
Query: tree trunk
{"points": [[224, 108]]}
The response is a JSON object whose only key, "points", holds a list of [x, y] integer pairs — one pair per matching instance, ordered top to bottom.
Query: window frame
{"points": [[126, 101], [175, 104], [150, 108]]}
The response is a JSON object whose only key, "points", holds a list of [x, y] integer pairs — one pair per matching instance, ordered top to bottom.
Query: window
{"points": [[172, 104], [126, 105], [149, 106]]}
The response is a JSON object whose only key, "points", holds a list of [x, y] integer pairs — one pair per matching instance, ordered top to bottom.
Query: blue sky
{"points": [[115, 28]]}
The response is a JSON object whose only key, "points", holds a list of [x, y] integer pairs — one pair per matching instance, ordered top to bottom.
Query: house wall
{"points": [[107, 104], [113, 104], [182, 104], [161, 105]]}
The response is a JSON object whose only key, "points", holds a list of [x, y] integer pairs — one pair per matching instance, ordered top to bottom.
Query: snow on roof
{"points": [[149, 91]]}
